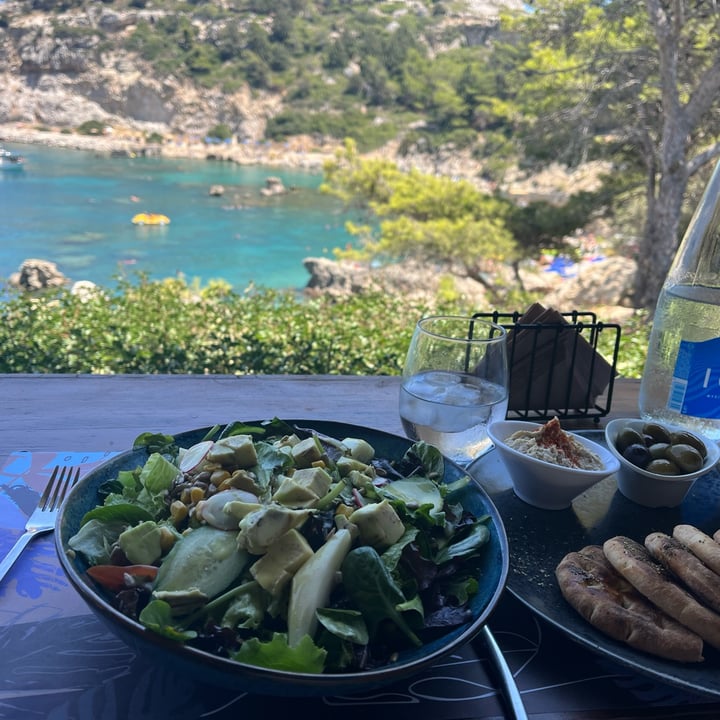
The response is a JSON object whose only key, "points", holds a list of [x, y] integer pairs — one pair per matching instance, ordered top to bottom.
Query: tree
{"points": [[282, 25], [230, 40], [258, 42], [645, 78], [374, 82], [433, 218], [540, 225]]}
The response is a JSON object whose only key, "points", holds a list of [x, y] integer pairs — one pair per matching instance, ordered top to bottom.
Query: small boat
{"points": [[10, 160], [145, 218]]}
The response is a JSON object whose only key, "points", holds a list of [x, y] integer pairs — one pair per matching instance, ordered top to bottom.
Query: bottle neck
{"points": [[697, 261]]}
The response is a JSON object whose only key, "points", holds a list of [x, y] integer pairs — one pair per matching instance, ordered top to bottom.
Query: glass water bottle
{"points": [[681, 379]]}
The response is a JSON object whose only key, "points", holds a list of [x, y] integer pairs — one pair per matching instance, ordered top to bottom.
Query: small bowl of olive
{"points": [[659, 462]]}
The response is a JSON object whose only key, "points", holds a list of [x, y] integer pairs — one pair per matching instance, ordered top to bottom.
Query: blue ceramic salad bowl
{"points": [[213, 669]]}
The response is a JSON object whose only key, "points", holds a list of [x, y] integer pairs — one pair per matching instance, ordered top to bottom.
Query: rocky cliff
{"points": [[60, 68], [60, 80]]}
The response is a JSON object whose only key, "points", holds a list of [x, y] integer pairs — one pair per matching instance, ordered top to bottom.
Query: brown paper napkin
{"points": [[553, 366]]}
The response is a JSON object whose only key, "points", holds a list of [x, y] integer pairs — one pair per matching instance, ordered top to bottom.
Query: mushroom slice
{"points": [[212, 511]]}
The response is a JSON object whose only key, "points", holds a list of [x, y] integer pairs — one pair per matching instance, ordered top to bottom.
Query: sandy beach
{"points": [[299, 153]]}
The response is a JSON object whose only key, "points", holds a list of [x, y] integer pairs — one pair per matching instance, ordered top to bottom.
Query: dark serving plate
{"points": [[539, 539], [215, 670]]}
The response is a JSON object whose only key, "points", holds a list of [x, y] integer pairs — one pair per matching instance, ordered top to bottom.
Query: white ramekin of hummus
{"points": [[549, 466]]}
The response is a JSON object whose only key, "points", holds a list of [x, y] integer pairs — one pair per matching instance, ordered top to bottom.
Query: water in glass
{"points": [[455, 383], [451, 411]]}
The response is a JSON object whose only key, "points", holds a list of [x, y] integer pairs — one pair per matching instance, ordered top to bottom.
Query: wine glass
{"points": [[454, 384]]}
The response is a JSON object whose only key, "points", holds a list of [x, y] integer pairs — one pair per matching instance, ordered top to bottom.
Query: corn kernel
{"points": [[219, 476], [178, 512], [167, 537]]}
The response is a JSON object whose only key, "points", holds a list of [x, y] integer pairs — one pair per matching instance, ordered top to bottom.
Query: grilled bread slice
{"points": [[700, 544], [633, 561], [697, 577], [612, 605]]}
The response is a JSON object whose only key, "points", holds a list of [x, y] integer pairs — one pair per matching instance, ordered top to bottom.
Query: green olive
{"points": [[657, 432], [626, 437], [683, 437], [659, 450], [686, 457], [663, 466]]}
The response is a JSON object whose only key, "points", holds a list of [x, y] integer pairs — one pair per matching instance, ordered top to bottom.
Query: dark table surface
{"points": [[59, 661]]}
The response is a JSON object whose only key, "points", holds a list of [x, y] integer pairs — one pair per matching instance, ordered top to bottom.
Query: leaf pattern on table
{"points": [[22, 481]]}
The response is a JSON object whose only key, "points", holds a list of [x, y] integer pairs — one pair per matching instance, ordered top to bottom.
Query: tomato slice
{"points": [[112, 577]]}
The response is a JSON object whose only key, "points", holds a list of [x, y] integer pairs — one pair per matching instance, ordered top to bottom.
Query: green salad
{"points": [[281, 547]]}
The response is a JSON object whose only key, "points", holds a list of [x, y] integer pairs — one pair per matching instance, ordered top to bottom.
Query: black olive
{"points": [[637, 454]]}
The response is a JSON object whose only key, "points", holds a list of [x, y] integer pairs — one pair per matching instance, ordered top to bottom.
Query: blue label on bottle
{"points": [[695, 388]]}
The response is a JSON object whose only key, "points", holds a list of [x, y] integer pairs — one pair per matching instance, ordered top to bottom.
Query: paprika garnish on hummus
{"points": [[552, 444]]}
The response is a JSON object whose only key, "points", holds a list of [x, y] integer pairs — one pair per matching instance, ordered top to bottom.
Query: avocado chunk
{"points": [[359, 449], [235, 450], [307, 452], [346, 465], [303, 488], [379, 525], [261, 528], [141, 543], [204, 558], [283, 559], [313, 583]]}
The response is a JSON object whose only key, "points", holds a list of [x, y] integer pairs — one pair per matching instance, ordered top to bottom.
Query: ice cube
{"points": [[429, 382], [460, 394], [418, 411], [452, 419]]}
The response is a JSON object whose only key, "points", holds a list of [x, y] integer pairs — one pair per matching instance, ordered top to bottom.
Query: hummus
{"points": [[552, 444]]}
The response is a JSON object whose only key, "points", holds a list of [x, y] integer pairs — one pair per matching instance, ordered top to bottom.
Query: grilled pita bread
{"points": [[700, 544], [633, 561], [698, 577], [612, 605]]}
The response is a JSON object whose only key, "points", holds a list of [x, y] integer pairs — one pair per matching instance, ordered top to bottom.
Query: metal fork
{"points": [[43, 517], [509, 687]]}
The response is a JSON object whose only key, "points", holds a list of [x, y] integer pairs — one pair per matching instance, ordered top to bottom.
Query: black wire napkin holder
{"points": [[560, 373]]}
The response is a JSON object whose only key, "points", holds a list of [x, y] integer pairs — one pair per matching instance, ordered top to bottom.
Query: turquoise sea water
{"points": [[75, 209]]}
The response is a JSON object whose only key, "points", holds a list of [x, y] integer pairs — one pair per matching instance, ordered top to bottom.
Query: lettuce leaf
{"points": [[156, 442], [158, 474], [118, 512], [95, 538], [467, 546], [157, 616], [277, 654]]}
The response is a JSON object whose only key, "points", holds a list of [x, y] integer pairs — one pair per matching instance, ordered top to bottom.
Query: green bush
{"points": [[92, 127], [220, 132], [368, 134], [169, 327]]}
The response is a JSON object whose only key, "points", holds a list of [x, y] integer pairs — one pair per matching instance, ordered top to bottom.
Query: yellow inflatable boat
{"points": [[150, 219]]}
